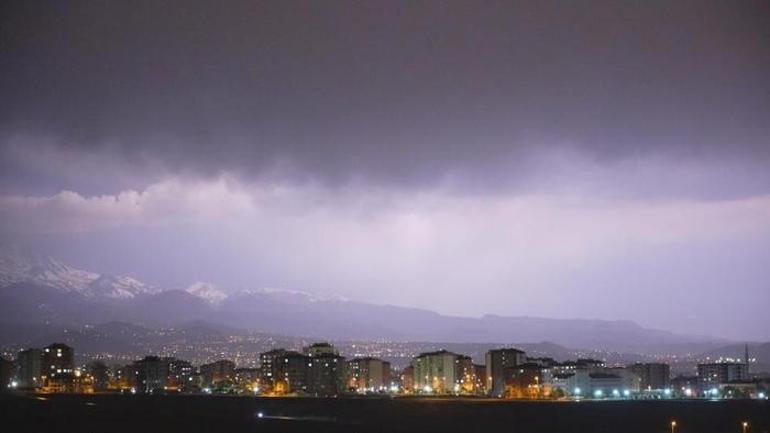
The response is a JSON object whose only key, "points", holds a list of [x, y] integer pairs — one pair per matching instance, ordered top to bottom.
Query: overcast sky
{"points": [[557, 159]]}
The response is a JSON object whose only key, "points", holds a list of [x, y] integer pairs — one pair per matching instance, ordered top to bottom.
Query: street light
{"points": [[673, 426]]}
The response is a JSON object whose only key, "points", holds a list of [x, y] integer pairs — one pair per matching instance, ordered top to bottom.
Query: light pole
{"points": [[673, 426], [745, 426]]}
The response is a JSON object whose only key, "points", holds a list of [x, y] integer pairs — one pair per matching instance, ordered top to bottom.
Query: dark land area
{"points": [[123, 413]]}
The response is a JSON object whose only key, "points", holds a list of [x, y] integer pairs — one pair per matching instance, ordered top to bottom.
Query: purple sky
{"points": [[597, 160]]}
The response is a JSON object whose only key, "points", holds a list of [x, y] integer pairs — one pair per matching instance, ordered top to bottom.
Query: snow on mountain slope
{"points": [[16, 267], [208, 292], [292, 294]]}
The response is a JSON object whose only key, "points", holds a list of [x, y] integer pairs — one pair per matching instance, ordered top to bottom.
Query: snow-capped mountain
{"points": [[16, 267], [208, 292], [292, 294], [214, 295]]}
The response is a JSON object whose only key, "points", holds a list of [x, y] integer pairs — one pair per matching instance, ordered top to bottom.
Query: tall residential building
{"points": [[316, 349], [58, 360], [498, 362], [58, 367], [29, 368], [326, 370], [218, 371], [283, 371], [437, 372], [6, 374], [99, 374], [150, 374], [368, 374], [181, 375], [711, 375], [652, 376], [247, 379], [406, 379], [469, 382]]}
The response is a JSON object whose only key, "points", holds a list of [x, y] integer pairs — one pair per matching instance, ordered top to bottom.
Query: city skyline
{"points": [[516, 159]]}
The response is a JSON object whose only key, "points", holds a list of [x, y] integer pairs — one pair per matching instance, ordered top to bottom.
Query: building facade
{"points": [[498, 365], [58, 368], [29, 369], [218, 371], [437, 372], [368, 375], [711, 375], [652, 376]]}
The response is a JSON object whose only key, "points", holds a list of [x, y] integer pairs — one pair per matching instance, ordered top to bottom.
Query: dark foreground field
{"points": [[115, 413]]}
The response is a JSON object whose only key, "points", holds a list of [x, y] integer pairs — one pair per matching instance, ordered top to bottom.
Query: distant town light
{"points": [[427, 389], [577, 391], [667, 391], [615, 392], [626, 392], [688, 392], [598, 393]]}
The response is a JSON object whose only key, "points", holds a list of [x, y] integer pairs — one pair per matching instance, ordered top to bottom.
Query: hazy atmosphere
{"points": [[519, 158]]}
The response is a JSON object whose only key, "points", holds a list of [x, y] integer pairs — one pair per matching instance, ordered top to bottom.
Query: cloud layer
{"points": [[560, 255]]}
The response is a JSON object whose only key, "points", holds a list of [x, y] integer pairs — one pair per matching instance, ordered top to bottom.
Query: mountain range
{"points": [[36, 289]]}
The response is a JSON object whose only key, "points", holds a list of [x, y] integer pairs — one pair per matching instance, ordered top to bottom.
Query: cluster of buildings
{"points": [[319, 370]]}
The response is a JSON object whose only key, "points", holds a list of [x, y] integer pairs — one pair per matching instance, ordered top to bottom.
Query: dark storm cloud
{"points": [[390, 93]]}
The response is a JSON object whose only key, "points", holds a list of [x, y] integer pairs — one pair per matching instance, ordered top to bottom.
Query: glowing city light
{"points": [[577, 391], [626, 392], [598, 393]]}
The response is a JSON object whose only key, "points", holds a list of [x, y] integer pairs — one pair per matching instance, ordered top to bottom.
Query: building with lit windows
{"points": [[498, 365], [58, 368], [29, 369], [326, 370], [218, 371], [283, 371], [437, 372], [368, 374], [6, 375], [99, 375], [150, 375], [181, 376], [652, 376], [710, 376], [247, 379], [406, 379], [597, 382]]}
